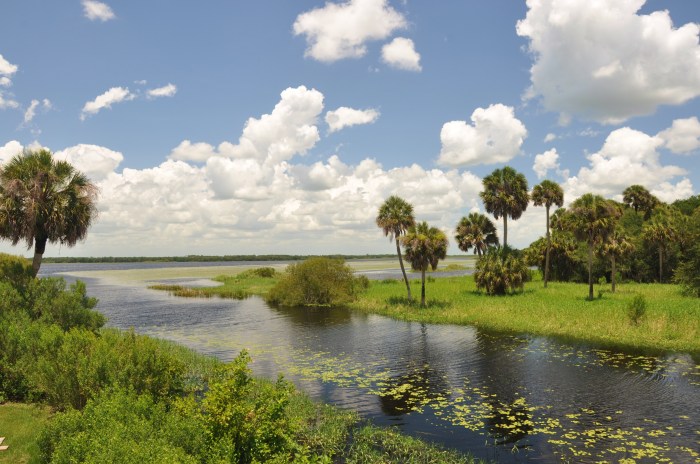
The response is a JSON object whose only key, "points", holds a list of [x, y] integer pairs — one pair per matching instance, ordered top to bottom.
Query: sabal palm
{"points": [[547, 193], [505, 195], [640, 199], [44, 200], [394, 218], [592, 218], [476, 231], [660, 232], [424, 246], [615, 247]]}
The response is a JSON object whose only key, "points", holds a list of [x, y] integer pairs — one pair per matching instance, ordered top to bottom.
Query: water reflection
{"points": [[529, 398]]}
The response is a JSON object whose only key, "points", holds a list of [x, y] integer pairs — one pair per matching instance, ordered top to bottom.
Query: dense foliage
{"points": [[425, 246], [501, 271], [316, 282]]}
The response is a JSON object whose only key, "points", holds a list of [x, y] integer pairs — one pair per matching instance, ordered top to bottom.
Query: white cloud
{"points": [[95, 10], [340, 30], [401, 53], [603, 61], [7, 68], [5, 81], [165, 91], [106, 100], [7, 102], [30, 112], [346, 117], [288, 131], [495, 136], [683, 136], [549, 137], [9, 150], [188, 151], [627, 157], [92, 160], [545, 162]]}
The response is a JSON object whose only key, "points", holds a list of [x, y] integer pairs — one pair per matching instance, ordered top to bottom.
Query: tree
{"points": [[547, 193], [505, 194], [640, 199], [44, 200], [395, 217], [592, 218], [476, 231], [660, 232], [424, 246], [615, 247]]}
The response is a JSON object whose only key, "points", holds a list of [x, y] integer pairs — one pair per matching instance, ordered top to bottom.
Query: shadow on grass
{"points": [[415, 303]]}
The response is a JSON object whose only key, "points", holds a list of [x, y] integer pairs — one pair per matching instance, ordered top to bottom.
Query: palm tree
{"points": [[547, 193], [505, 194], [640, 199], [44, 200], [394, 218], [592, 218], [475, 231], [660, 231], [424, 246], [616, 246]]}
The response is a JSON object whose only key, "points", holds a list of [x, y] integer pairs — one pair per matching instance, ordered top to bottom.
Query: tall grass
{"points": [[671, 321], [20, 424]]}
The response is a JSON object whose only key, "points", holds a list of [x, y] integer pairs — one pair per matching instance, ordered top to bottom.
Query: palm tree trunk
{"points": [[505, 231], [39, 248], [549, 249], [661, 264], [403, 271], [590, 271], [612, 276], [422, 289]]}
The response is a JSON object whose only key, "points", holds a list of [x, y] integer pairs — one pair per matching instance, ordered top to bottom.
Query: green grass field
{"points": [[671, 321], [21, 424]]}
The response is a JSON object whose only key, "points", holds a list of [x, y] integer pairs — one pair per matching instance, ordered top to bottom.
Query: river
{"points": [[504, 397]]}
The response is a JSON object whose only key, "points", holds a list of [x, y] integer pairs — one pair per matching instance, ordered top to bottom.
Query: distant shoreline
{"points": [[201, 258]]}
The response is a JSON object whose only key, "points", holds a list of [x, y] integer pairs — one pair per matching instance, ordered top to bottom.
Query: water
{"points": [[508, 398]]}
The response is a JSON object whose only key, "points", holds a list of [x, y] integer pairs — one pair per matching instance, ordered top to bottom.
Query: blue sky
{"points": [[279, 127]]}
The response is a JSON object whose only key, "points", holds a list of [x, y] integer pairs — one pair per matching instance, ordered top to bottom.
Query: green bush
{"points": [[16, 271], [500, 271], [266, 272], [687, 273], [315, 282], [49, 301], [637, 308]]}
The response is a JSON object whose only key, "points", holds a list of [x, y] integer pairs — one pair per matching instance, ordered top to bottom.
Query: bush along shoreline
{"points": [[118, 396]]}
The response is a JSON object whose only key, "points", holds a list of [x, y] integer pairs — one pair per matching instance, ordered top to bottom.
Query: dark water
{"points": [[502, 397]]}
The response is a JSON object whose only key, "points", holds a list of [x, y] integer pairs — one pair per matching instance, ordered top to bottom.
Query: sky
{"points": [[265, 127]]}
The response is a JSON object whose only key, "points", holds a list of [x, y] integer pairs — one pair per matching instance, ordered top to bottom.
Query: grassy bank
{"points": [[671, 321], [21, 425]]}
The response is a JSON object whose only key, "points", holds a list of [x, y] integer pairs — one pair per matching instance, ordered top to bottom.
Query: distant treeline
{"points": [[199, 258]]}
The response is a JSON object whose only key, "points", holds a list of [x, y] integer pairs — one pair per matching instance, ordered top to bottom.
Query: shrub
{"points": [[501, 270], [16, 271], [687, 273], [315, 282], [48, 300], [636, 309]]}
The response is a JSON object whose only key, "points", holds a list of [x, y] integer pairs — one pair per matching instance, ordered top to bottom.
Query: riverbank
{"points": [[670, 321]]}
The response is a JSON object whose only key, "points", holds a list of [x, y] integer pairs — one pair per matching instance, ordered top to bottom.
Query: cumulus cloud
{"points": [[95, 10], [340, 30], [401, 53], [605, 62], [7, 69], [165, 91], [106, 100], [7, 102], [346, 117], [288, 131], [494, 136], [549, 137], [683, 137], [9, 150], [188, 151], [627, 157], [94, 161], [545, 162]]}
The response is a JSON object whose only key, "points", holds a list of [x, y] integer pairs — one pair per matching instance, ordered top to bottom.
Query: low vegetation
{"points": [[669, 322], [122, 397]]}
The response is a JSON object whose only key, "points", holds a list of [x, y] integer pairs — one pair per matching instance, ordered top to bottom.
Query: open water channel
{"points": [[508, 398]]}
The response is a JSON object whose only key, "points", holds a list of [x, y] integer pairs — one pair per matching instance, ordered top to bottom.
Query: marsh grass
{"points": [[257, 281], [671, 321], [21, 424]]}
